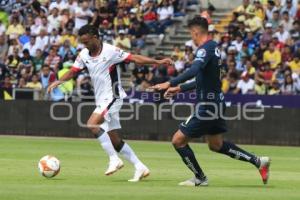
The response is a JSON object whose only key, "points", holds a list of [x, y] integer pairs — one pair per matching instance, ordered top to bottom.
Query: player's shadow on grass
{"points": [[56, 179], [144, 180], [244, 186]]}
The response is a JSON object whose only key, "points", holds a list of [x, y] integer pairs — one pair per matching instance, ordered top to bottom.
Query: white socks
{"points": [[108, 147], [126, 151], [130, 156]]}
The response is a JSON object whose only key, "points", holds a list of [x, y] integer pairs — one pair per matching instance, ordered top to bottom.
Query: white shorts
{"points": [[110, 111]]}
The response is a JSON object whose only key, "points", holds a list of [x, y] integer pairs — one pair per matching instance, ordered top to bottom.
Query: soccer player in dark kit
{"points": [[206, 69]]}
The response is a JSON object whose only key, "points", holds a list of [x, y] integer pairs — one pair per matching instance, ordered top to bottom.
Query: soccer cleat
{"points": [[114, 166], [264, 168], [140, 174], [195, 182]]}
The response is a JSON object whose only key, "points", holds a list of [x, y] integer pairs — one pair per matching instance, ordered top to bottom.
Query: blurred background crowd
{"points": [[38, 43], [260, 50]]}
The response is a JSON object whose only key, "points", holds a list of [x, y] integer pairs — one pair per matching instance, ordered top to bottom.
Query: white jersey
{"points": [[104, 73]]}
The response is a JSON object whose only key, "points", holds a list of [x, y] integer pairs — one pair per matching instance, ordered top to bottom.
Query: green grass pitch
{"points": [[83, 164]]}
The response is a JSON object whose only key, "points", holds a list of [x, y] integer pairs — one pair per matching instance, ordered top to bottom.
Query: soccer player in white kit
{"points": [[101, 59]]}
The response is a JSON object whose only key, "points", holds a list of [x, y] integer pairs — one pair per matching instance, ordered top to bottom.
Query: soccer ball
{"points": [[49, 166]]}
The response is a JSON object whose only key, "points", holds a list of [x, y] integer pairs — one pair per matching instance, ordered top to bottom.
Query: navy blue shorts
{"points": [[201, 124]]}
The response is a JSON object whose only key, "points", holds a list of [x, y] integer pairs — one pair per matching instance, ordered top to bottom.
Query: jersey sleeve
{"points": [[119, 55], [203, 55], [78, 64], [188, 86]]}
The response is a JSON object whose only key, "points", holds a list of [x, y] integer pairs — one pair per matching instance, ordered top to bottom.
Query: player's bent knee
{"points": [[94, 128], [179, 140], [174, 142], [215, 142], [177, 143], [215, 146]]}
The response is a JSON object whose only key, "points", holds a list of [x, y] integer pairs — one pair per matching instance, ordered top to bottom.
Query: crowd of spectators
{"points": [[38, 42], [260, 51]]}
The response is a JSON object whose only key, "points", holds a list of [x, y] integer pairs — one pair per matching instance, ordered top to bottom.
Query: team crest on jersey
{"points": [[218, 52], [201, 53], [121, 54]]}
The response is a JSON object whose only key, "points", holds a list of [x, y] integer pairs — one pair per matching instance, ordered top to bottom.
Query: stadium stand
{"points": [[259, 42]]}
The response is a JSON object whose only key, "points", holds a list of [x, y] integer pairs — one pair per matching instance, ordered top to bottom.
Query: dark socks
{"points": [[235, 152], [190, 161]]}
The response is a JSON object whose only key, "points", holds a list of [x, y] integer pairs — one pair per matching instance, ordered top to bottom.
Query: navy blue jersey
{"points": [[207, 69]]}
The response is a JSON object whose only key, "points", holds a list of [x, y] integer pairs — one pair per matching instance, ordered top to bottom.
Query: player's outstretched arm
{"points": [[139, 59], [190, 73], [67, 76], [188, 86], [172, 91]]}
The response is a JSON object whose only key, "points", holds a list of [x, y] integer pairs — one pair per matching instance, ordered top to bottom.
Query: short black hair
{"points": [[271, 2], [211, 7], [285, 12], [200, 22], [296, 22], [88, 29], [26, 51]]}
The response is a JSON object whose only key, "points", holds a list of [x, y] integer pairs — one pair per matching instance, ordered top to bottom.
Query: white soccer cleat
{"points": [[114, 165], [139, 174], [195, 182]]}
